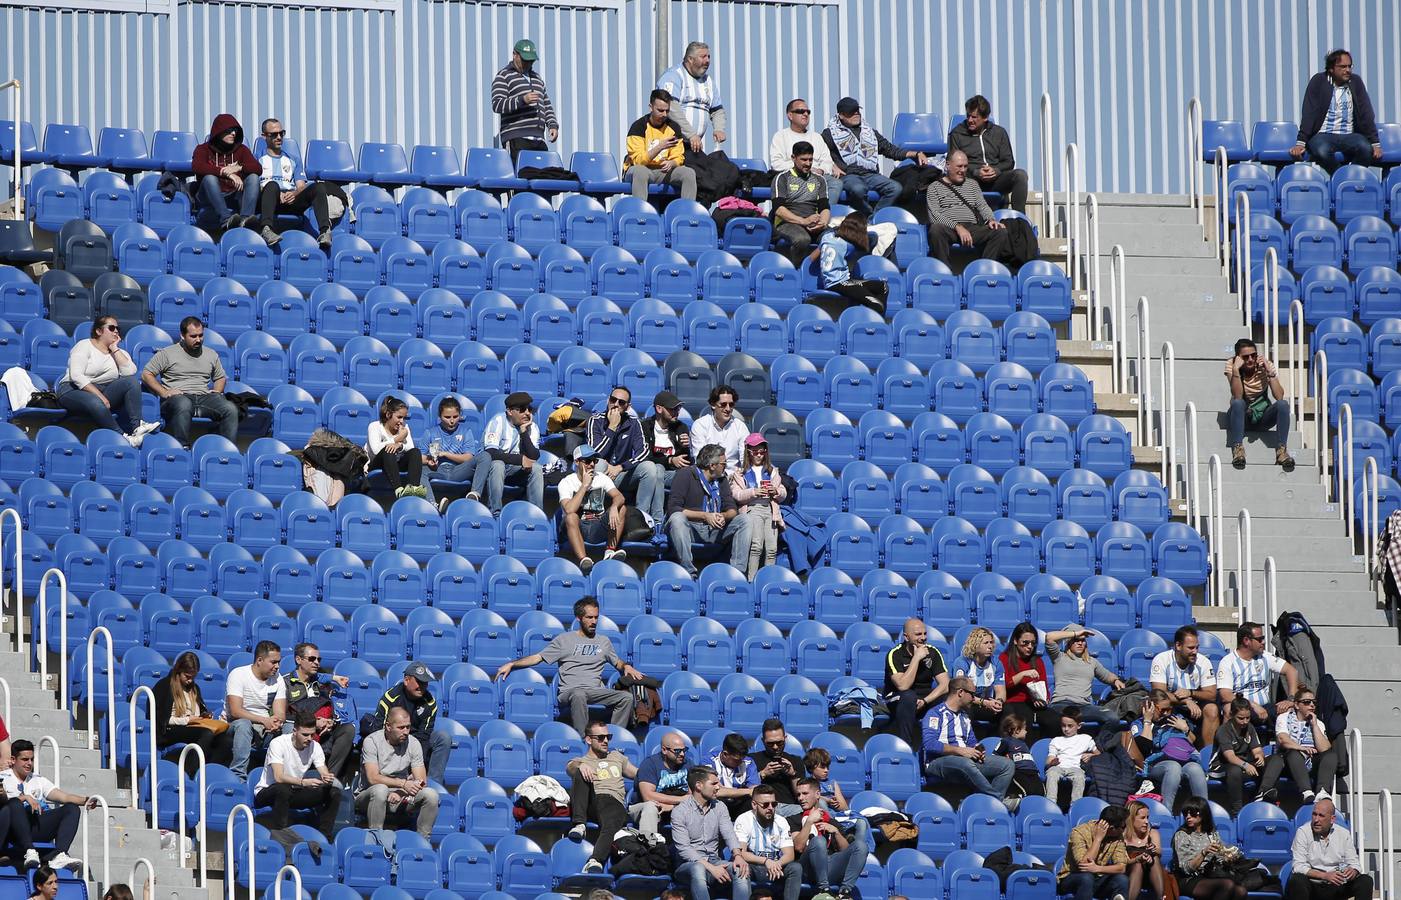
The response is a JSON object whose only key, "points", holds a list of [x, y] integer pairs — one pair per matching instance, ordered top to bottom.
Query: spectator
{"points": [[697, 95], [519, 97], [1337, 117], [782, 143], [857, 147], [654, 151], [989, 151], [228, 176], [287, 192], [800, 206], [959, 214], [837, 248], [99, 375], [1252, 379], [190, 382], [722, 425], [617, 436], [512, 440], [668, 443], [391, 449], [453, 450], [758, 490], [701, 508], [592, 510], [580, 656], [977, 663], [1250, 671], [1024, 672], [1075, 672], [1187, 675], [915, 679], [308, 692], [413, 697], [255, 704], [182, 717], [1164, 741], [1304, 744], [952, 752], [1067, 755], [1240, 755], [818, 762], [778, 768], [737, 771], [1026, 774], [296, 777], [393, 777], [660, 784], [597, 792], [40, 811], [698, 825], [766, 844], [1195, 846], [1144, 847], [826, 854], [1096, 859], [1325, 860], [45, 882], [122, 892], [601, 894], [672, 894]]}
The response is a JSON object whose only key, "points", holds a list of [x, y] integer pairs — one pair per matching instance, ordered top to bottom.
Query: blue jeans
{"points": [[1354, 147], [857, 186], [215, 204], [123, 392], [178, 410], [1277, 417], [451, 471], [489, 482], [646, 482], [683, 532], [245, 734], [435, 756], [1167, 774], [992, 776], [843, 867], [696, 880], [792, 881], [1087, 886]]}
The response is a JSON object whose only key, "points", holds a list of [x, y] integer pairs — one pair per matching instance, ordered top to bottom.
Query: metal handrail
{"points": [[19, 162], [1071, 170], [1048, 183], [1196, 195], [1242, 206], [1221, 215], [1269, 281], [1118, 300], [1094, 320], [1298, 369], [1144, 381], [1320, 395], [1167, 429], [1344, 465], [1191, 481], [1370, 521], [1215, 523], [1245, 564], [19, 570], [1271, 592], [42, 650], [5, 688], [143, 690], [111, 697], [58, 755], [1355, 792], [203, 813], [106, 840], [1386, 847], [230, 872], [132, 881], [277, 882]]}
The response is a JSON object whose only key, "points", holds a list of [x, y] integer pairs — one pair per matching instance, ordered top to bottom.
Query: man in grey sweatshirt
{"points": [[989, 151]]}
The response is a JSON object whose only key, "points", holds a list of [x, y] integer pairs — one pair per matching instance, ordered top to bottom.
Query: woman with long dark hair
{"points": [[838, 248], [101, 383], [1024, 670], [182, 717], [1194, 848]]}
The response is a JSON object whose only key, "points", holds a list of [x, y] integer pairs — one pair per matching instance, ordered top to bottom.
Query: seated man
{"points": [[1337, 117], [781, 146], [857, 148], [989, 151], [655, 154], [227, 176], [287, 192], [800, 205], [958, 214], [1252, 378], [190, 382], [721, 425], [617, 436], [512, 441], [668, 443], [701, 508], [592, 510], [1252, 672], [1189, 678], [915, 679], [308, 692], [413, 697], [255, 703], [953, 751], [778, 768], [737, 772], [295, 776], [392, 776], [660, 784], [596, 793], [40, 811], [698, 826], [765, 842], [827, 855], [1096, 858], [1325, 860]]}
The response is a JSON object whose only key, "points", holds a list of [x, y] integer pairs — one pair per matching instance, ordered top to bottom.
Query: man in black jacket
{"points": [[1337, 117], [857, 148], [989, 151], [668, 444], [701, 508], [308, 692], [414, 698]]}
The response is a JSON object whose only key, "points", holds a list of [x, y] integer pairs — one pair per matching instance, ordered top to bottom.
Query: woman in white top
{"points": [[101, 381], [391, 448], [758, 489], [1305, 745]]}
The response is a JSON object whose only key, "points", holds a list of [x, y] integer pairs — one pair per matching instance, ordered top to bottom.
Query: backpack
{"points": [[1296, 641], [646, 701]]}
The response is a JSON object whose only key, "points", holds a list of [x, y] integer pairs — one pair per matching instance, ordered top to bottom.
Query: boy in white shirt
{"points": [[592, 509], [255, 701], [1067, 756], [295, 776], [45, 812]]}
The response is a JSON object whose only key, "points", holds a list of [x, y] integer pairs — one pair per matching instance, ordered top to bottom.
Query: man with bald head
{"points": [[958, 214], [915, 679], [393, 778], [660, 785], [1325, 860]]}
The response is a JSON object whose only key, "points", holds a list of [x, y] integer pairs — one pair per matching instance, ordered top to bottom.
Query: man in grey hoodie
{"points": [[989, 151]]}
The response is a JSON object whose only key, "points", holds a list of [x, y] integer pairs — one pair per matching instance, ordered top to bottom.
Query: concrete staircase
{"points": [[1320, 571]]}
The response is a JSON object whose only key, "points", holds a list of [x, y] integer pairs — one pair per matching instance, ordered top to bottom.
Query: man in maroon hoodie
{"points": [[228, 174]]}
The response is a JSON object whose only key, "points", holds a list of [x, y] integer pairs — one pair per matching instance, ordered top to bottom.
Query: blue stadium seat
{"points": [[1221, 133], [1271, 141], [28, 143], [71, 147], [332, 161], [387, 165], [437, 166], [598, 173], [1255, 181], [1304, 190], [1357, 191], [53, 198], [108, 200], [481, 221], [584, 224], [636, 225], [690, 229], [1314, 241], [1368, 241], [911, 243], [564, 273], [774, 281], [990, 289], [1045, 290], [1378, 297], [919, 339], [1343, 341], [956, 391], [938, 441], [885, 442], [992, 444], [1104, 445], [919, 493], [1030, 497], [1139, 498], [1068, 551], [960, 552], [1124, 553], [1014, 554], [1179, 554], [761, 650], [892, 768], [1265, 832]]}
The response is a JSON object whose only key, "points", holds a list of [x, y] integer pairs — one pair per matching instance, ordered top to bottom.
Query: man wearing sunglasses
{"points": [[781, 148], [286, 190], [722, 426], [616, 435], [1252, 672], [307, 691], [952, 751], [660, 784], [596, 792], [766, 843]]}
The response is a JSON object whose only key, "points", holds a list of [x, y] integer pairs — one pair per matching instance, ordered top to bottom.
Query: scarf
{"points": [[856, 148]]}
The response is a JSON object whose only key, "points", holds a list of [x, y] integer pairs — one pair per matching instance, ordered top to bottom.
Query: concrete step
{"points": [[1143, 216], [1164, 239], [1205, 267], [1207, 291], [1291, 529], [1290, 557], [1339, 607]]}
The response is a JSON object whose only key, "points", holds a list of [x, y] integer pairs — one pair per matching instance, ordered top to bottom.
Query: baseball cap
{"points": [[526, 48], [848, 105], [519, 400], [666, 400], [755, 439], [584, 451], [419, 672]]}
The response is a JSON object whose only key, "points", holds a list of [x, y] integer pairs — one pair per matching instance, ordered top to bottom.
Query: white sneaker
{"points": [[144, 428], [134, 439], [473, 495], [616, 554], [577, 832], [31, 859], [64, 861], [593, 867]]}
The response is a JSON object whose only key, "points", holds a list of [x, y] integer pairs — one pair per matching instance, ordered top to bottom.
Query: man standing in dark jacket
{"points": [[518, 96], [1337, 117], [857, 148], [989, 151], [228, 175], [617, 436], [701, 508], [414, 698]]}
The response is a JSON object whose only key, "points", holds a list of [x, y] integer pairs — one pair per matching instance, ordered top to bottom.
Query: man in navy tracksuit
{"points": [[1337, 117]]}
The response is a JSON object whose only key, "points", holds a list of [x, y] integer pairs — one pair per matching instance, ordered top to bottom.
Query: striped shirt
{"points": [[697, 105], [1339, 117], [518, 118], [947, 209], [1165, 670], [984, 678], [1253, 679], [943, 726], [1301, 731], [766, 842]]}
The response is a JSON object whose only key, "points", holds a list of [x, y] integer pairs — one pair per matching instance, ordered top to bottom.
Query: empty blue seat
{"points": [[332, 161], [437, 166], [1303, 190], [1357, 191], [1314, 241], [1369, 241], [1342, 340]]}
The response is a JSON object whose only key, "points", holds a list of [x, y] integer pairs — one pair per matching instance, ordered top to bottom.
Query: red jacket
{"points": [[210, 158], [1011, 667]]}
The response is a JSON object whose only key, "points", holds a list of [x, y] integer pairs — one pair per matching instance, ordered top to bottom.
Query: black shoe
{"points": [[235, 221], [324, 241], [1270, 796], [314, 848]]}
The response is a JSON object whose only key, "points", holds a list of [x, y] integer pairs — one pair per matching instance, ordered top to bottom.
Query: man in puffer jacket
{"points": [[228, 175]]}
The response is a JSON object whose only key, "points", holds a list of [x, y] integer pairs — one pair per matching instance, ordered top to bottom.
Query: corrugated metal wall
{"points": [[419, 71]]}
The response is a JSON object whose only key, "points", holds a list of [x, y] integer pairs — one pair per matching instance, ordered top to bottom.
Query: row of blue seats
{"points": [[1270, 142], [1304, 189], [1315, 241], [1370, 296], [1352, 352]]}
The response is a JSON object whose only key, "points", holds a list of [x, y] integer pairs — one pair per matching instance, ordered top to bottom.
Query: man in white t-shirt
{"points": [[799, 114], [722, 426], [592, 509], [1250, 671], [1185, 674], [255, 703], [295, 776], [40, 811], [766, 843]]}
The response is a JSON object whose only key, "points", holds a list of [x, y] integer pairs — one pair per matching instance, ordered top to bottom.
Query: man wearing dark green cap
{"points": [[518, 96]]}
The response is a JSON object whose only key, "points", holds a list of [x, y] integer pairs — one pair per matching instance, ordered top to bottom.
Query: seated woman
{"points": [[839, 246], [101, 380], [391, 449], [758, 490], [977, 662], [1075, 672], [1024, 673], [182, 717], [1163, 741], [1306, 748], [1145, 847], [1195, 847]]}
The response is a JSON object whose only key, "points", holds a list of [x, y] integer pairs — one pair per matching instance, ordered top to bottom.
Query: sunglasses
{"points": [[802, 112], [274, 135], [111, 327], [618, 401], [725, 404], [315, 659], [1308, 702], [601, 737], [678, 750], [770, 805]]}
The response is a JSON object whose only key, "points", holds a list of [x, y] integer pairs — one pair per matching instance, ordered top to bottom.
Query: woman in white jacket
{"points": [[101, 383], [758, 489]]}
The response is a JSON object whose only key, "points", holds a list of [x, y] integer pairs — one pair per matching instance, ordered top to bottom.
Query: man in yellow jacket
{"points": [[655, 152]]}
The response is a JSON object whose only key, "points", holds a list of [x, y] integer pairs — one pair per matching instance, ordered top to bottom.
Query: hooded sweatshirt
{"points": [[210, 157]]}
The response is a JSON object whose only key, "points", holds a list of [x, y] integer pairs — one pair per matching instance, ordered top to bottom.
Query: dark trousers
{"points": [[516, 145], [1354, 147], [1011, 184], [314, 197], [799, 240], [990, 243], [871, 293], [179, 409], [122, 412], [410, 460], [906, 717], [337, 745], [218, 748], [1325, 768], [1235, 780], [283, 798], [585, 805], [58, 825], [1087, 886], [1301, 887]]}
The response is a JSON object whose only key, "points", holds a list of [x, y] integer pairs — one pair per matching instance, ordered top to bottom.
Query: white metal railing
{"points": [[19, 162], [1071, 171], [1048, 183], [1196, 195], [1242, 206], [1221, 215], [1118, 302], [1269, 305], [1094, 320], [1298, 370], [1143, 383], [1320, 399], [1167, 404], [1344, 465], [1191, 480], [1371, 500], [12, 513], [1215, 523], [1245, 564], [1271, 594], [101, 631], [42, 651], [5, 689], [150, 696], [52, 744], [1355, 794], [203, 811], [106, 840], [1386, 847], [230, 863], [133, 881], [296, 881]]}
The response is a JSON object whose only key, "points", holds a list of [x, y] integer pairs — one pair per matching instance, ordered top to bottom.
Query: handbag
{"points": [[1259, 405], [218, 726]]}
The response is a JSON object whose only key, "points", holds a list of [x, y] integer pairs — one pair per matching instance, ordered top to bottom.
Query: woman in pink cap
{"points": [[758, 489]]}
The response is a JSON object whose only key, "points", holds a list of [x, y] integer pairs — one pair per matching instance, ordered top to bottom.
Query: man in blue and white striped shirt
{"points": [[1337, 117], [1250, 671], [1188, 677], [952, 750]]}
